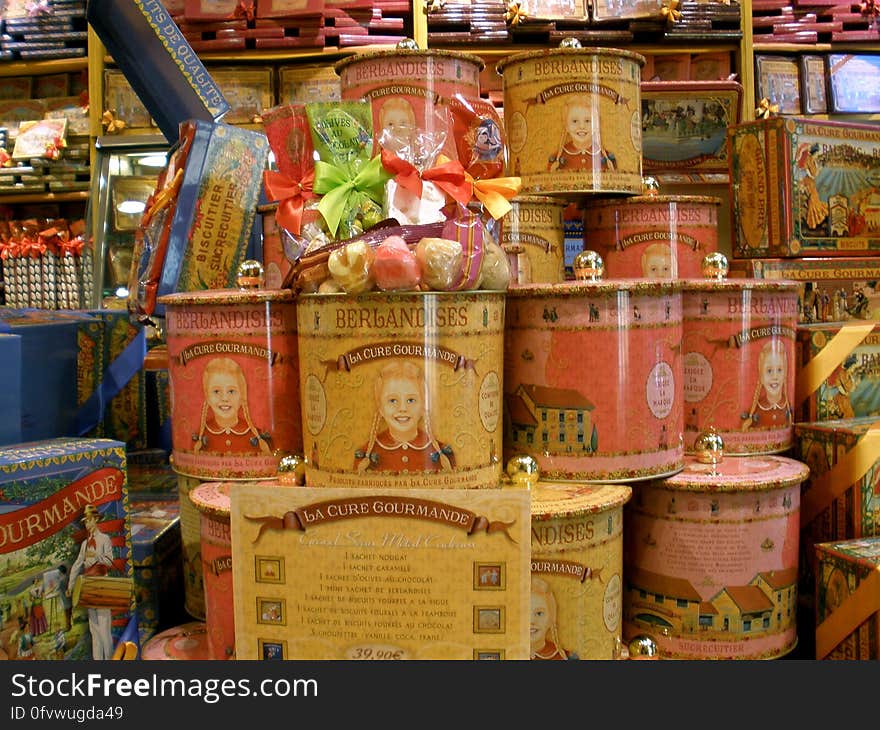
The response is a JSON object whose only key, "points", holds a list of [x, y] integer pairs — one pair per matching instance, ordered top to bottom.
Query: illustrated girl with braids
{"points": [[580, 147], [770, 406], [226, 426], [400, 436], [543, 634]]}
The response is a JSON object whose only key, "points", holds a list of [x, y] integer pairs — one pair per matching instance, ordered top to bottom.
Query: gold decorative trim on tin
{"points": [[583, 51], [421, 53], [653, 200], [716, 285], [592, 288], [231, 296]]}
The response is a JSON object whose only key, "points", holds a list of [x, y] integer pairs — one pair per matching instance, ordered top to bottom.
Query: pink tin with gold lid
{"points": [[652, 236], [739, 366], [234, 378], [593, 378], [711, 559]]}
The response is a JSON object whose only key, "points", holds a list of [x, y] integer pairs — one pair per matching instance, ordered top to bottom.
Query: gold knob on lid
{"points": [[570, 43], [407, 44], [650, 186], [588, 266], [715, 266], [250, 275], [709, 447], [292, 470], [523, 470], [643, 647]]}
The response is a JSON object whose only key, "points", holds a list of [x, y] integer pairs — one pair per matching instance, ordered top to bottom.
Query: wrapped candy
{"points": [[479, 136], [441, 261], [351, 267], [395, 267], [496, 268]]}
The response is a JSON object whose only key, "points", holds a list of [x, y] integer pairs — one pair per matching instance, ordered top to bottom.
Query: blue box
{"points": [[10, 393], [66, 574]]}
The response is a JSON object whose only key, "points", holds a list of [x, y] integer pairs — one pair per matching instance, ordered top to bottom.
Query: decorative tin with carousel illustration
{"points": [[593, 377], [711, 556]]}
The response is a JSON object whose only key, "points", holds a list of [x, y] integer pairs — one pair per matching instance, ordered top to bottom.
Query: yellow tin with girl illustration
{"points": [[573, 119], [739, 362], [234, 382], [402, 389], [577, 567]]}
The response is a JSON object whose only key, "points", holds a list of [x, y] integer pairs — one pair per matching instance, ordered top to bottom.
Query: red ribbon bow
{"points": [[244, 9], [449, 176], [291, 196], [32, 247], [73, 247], [10, 250]]}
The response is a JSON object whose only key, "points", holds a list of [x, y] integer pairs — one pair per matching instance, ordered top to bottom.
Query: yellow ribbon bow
{"points": [[434, 6], [671, 12], [515, 14], [765, 109], [110, 123], [495, 193]]}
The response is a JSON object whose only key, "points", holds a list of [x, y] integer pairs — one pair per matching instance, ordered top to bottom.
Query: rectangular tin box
{"points": [[804, 187], [832, 289], [845, 381], [840, 500], [64, 526], [158, 564], [846, 568]]}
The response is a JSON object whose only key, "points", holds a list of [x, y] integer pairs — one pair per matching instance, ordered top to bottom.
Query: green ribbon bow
{"points": [[339, 190]]}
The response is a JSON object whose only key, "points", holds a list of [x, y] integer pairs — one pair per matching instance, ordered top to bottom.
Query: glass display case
{"points": [[125, 172]]}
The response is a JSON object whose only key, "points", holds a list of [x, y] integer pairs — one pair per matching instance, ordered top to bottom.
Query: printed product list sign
{"points": [[333, 573]]}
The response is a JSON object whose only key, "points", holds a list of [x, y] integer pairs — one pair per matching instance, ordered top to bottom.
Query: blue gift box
{"points": [[157, 61], [10, 392], [66, 574]]}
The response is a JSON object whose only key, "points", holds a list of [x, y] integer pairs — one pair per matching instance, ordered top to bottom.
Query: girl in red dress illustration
{"points": [[581, 147], [770, 406], [225, 425], [400, 436], [543, 633]]}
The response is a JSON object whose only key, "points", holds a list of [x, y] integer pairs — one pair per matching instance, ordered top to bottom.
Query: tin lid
{"points": [[584, 51], [408, 53], [539, 199], [654, 200], [739, 285], [570, 288], [215, 297], [738, 474], [212, 498], [561, 499], [155, 529], [187, 641]]}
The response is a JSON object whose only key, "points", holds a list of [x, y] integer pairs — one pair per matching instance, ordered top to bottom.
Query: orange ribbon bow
{"points": [[244, 10], [671, 12], [515, 14], [765, 109], [110, 123], [448, 175], [495, 193], [291, 196], [32, 247], [72, 247], [10, 250]]}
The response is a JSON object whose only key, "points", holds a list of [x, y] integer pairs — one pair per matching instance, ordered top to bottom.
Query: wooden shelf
{"points": [[814, 47], [38, 68], [8, 198]]}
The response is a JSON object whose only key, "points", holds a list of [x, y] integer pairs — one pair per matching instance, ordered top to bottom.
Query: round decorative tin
{"points": [[408, 90], [573, 120], [535, 224], [655, 237], [739, 366], [592, 379], [234, 382], [402, 389], [211, 499], [191, 548], [711, 559], [577, 564], [188, 641]]}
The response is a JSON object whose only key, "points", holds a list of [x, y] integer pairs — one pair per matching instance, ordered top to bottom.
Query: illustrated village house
{"points": [[541, 416], [766, 605]]}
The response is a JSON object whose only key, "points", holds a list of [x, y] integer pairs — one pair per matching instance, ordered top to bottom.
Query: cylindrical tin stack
{"points": [[534, 233], [234, 383], [711, 558]]}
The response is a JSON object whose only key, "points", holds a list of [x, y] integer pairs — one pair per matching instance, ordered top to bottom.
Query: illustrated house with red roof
{"points": [[553, 419], [765, 606]]}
